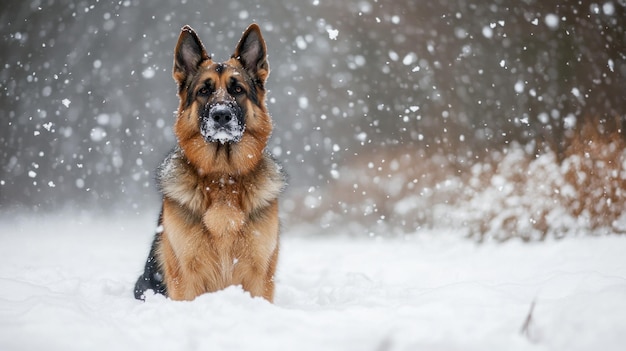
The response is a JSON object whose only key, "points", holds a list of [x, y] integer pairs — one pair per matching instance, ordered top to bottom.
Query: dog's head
{"points": [[222, 123]]}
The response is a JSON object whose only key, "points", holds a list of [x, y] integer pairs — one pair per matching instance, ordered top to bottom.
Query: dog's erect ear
{"points": [[252, 54], [188, 56]]}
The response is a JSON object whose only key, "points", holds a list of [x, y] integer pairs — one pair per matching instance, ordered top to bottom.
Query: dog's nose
{"points": [[221, 117]]}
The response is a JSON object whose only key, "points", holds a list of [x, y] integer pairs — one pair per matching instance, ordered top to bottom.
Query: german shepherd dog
{"points": [[219, 219]]}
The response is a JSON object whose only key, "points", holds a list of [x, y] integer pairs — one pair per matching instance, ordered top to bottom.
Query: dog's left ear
{"points": [[252, 54], [188, 56]]}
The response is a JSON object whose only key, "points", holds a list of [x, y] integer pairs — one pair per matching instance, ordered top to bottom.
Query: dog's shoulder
{"points": [[178, 180], [266, 183]]}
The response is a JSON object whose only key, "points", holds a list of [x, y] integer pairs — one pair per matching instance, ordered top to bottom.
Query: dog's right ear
{"points": [[188, 56]]}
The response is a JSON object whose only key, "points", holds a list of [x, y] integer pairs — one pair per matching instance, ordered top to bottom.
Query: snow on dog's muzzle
{"points": [[223, 123]]}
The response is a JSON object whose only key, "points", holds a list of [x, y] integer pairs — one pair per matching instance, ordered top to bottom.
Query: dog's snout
{"points": [[221, 116], [222, 122]]}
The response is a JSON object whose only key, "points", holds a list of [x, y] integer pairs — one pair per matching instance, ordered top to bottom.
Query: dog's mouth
{"points": [[223, 123]]}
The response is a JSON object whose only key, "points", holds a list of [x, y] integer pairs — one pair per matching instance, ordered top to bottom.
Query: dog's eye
{"points": [[237, 89], [204, 91]]}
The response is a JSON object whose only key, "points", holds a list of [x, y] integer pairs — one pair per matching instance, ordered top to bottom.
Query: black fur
{"points": [[152, 277]]}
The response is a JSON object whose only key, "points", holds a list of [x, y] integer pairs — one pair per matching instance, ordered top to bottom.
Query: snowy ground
{"points": [[66, 285]]}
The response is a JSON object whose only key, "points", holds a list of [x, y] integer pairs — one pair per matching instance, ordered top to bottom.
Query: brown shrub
{"points": [[595, 166], [512, 193], [532, 196]]}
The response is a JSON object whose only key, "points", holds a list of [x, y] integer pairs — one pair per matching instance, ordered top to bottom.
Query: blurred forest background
{"points": [[497, 118]]}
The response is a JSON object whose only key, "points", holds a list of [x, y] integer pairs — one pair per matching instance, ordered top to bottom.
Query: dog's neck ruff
{"points": [[179, 181]]}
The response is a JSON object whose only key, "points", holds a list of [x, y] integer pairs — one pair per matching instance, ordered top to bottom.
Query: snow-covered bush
{"points": [[513, 193], [516, 195], [528, 196]]}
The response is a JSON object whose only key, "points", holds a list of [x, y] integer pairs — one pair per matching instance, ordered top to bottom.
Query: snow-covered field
{"points": [[66, 284]]}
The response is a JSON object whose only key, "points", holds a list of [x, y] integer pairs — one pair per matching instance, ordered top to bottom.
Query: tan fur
{"points": [[220, 201]]}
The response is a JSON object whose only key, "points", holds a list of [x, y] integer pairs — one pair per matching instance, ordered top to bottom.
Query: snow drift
{"points": [[66, 284]]}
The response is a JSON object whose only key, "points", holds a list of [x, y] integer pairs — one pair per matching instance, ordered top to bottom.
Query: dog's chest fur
{"points": [[240, 195]]}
